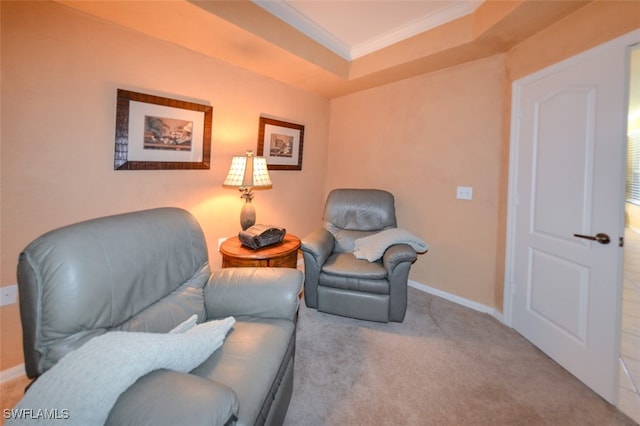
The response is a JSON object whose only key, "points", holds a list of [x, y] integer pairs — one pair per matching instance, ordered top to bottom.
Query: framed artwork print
{"points": [[155, 133], [281, 144]]}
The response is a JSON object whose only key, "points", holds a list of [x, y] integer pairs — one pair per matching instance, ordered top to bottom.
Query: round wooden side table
{"points": [[283, 255]]}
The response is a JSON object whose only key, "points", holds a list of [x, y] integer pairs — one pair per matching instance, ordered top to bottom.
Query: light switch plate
{"points": [[464, 193], [8, 295]]}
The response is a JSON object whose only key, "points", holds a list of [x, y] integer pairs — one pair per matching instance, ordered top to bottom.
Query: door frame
{"points": [[622, 42]]}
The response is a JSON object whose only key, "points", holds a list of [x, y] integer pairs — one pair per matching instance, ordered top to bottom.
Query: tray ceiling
{"points": [[354, 28]]}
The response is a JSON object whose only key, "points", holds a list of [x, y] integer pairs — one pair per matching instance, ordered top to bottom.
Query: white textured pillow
{"points": [[373, 246], [185, 325], [85, 384]]}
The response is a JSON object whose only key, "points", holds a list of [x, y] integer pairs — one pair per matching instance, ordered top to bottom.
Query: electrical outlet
{"points": [[464, 193], [220, 241], [8, 295]]}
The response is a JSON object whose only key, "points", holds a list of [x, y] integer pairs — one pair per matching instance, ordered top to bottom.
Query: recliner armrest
{"points": [[319, 244], [396, 254], [258, 292]]}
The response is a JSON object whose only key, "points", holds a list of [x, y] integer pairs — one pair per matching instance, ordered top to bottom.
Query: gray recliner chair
{"points": [[337, 282]]}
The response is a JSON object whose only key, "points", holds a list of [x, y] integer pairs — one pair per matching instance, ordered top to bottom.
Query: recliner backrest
{"points": [[350, 214], [141, 271]]}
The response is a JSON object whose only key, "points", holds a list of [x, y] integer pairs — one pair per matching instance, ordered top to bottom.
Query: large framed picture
{"points": [[154, 133], [281, 144]]}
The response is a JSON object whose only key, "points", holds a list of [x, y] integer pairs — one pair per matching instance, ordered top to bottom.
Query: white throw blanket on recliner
{"points": [[373, 246], [84, 385]]}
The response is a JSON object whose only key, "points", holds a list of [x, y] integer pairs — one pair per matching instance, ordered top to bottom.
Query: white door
{"points": [[567, 179]]}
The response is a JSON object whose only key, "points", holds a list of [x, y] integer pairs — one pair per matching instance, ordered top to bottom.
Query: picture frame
{"points": [[157, 133], [281, 143]]}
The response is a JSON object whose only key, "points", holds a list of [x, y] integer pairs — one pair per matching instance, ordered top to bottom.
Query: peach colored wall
{"points": [[60, 72], [452, 128], [421, 138]]}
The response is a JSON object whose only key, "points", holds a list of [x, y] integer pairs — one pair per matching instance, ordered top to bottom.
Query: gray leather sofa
{"points": [[149, 271], [337, 282]]}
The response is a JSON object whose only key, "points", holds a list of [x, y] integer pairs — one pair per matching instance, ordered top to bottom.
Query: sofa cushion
{"points": [[347, 265], [184, 302], [250, 362], [192, 401]]}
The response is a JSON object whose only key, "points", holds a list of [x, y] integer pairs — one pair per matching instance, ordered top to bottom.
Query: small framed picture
{"points": [[154, 133], [281, 144]]}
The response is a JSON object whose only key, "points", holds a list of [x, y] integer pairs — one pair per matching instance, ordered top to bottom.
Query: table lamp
{"points": [[248, 172]]}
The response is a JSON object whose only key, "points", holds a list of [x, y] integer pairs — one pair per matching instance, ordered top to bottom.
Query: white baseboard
{"points": [[459, 300], [12, 373]]}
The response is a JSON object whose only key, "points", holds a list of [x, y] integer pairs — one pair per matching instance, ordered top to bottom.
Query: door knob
{"points": [[601, 238]]}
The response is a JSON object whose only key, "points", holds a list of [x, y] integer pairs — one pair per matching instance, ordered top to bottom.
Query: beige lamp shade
{"points": [[248, 171]]}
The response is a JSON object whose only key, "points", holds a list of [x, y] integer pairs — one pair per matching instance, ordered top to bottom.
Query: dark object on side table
{"points": [[258, 236]]}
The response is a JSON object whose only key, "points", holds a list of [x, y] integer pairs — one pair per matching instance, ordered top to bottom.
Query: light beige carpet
{"points": [[444, 365]]}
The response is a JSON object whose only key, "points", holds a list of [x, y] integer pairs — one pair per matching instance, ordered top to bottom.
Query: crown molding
{"points": [[453, 11], [290, 15], [303, 24]]}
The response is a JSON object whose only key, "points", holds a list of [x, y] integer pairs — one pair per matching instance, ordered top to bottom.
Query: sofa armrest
{"points": [[319, 244], [397, 254], [258, 292], [165, 397]]}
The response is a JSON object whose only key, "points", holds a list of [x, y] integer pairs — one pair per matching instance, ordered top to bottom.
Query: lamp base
{"points": [[247, 216]]}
